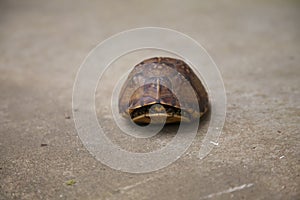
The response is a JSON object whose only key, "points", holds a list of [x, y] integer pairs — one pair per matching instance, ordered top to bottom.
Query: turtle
{"points": [[153, 88]]}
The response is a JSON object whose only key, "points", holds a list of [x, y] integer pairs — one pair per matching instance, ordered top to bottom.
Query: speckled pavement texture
{"points": [[256, 45]]}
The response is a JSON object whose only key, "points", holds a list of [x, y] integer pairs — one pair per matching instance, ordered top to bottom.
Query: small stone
{"points": [[67, 116], [44, 145], [71, 182]]}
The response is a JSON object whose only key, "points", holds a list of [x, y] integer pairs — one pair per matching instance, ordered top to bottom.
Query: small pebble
{"points": [[67, 116], [71, 182]]}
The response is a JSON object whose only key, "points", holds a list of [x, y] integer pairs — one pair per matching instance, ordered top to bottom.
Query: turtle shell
{"points": [[163, 88]]}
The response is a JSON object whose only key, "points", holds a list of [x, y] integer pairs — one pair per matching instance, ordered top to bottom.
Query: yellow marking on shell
{"points": [[158, 89], [196, 114], [158, 117]]}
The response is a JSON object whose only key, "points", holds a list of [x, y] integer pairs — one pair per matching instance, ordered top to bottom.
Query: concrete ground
{"points": [[254, 43]]}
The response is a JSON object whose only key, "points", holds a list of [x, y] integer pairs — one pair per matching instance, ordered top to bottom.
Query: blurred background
{"points": [[256, 47]]}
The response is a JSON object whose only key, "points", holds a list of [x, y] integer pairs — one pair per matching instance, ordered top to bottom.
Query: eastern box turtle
{"points": [[149, 89]]}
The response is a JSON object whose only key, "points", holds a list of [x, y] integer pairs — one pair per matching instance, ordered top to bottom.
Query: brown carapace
{"points": [[163, 89]]}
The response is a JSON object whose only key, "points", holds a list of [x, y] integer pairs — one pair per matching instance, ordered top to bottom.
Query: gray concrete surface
{"points": [[256, 46]]}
